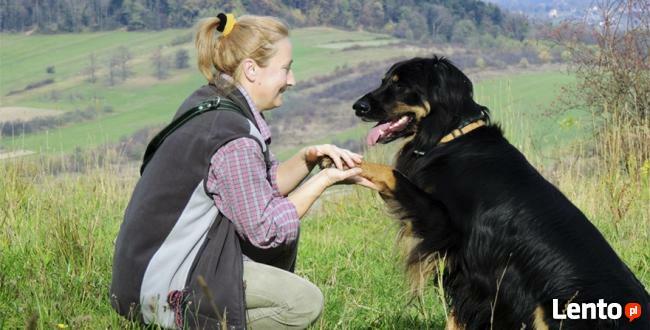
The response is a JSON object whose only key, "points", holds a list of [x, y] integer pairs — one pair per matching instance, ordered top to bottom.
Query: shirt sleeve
{"points": [[273, 174], [241, 189]]}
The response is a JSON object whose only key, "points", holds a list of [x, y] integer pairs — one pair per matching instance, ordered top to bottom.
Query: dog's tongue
{"points": [[382, 130], [376, 133]]}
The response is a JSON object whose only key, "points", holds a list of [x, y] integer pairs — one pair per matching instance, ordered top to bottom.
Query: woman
{"points": [[210, 234]]}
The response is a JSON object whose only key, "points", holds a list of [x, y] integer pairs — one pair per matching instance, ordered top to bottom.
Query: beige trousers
{"points": [[277, 299]]}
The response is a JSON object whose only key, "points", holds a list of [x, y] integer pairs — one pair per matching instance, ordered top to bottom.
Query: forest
{"points": [[440, 20]]}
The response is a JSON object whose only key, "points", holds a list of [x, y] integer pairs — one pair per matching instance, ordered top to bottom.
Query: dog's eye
{"points": [[400, 85]]}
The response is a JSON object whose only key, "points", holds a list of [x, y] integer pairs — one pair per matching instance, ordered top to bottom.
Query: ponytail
{"points": [[250, 37], [206, 44]]}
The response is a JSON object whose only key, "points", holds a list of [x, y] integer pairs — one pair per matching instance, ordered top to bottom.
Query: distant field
{"points": [[369, 43], [23, 59], [142, 100], [524, 105], [24, 113]]}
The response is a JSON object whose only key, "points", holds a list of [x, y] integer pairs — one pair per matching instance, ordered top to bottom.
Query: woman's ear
{"points": [[249, 69]]}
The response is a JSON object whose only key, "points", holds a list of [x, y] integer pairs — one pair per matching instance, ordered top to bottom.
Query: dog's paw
{"points": [[325, 162]]}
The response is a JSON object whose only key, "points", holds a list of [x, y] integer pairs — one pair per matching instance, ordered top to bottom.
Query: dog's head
{"points": [[427, 96]]}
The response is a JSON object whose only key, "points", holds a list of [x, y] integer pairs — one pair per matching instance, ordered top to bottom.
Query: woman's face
{"points": [[271, 81]]}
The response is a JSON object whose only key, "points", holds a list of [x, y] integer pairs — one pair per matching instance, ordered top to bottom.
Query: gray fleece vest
{"points": [[178, 260]]}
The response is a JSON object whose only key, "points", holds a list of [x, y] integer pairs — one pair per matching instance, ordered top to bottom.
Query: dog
{"points": [[517, 253]]}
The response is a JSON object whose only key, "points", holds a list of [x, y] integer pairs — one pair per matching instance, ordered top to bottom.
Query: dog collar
{"points": [[462, 130]]}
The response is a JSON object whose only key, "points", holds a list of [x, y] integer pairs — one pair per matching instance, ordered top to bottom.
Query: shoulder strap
{"points": [[239, 99], [218, 103]]}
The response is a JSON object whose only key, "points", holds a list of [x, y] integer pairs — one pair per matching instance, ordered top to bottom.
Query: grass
{"points": [[523, 104], [57, 232], [57, 242], [56, 247], [347, 250]]}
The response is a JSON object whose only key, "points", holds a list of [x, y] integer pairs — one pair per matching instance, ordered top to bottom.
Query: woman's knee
{"points": [[306, 308]]}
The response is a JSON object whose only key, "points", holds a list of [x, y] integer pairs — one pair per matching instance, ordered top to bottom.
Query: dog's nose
{"points": [[361, 107]]}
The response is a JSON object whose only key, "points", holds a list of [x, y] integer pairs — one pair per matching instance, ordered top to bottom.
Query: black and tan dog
{"points": [[517, 251]]}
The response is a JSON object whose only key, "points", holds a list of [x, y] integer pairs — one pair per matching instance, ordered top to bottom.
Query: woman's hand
{"points": [[342, 158], [333, 175], [349, 176], [358, 179], [305, 195]]}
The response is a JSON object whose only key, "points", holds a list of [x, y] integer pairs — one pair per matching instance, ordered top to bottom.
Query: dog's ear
{"points": [[460, 93], [436, 94], [450, 97]]}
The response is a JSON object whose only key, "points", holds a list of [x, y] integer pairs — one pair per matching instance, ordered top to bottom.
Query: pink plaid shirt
{"points": [[247, 194]]}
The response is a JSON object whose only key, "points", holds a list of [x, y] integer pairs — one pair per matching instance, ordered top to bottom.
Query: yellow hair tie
{"points": [[226, 23]]}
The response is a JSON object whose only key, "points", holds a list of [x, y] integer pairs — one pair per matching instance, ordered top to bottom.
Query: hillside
{"points": [[333, 68], [141, 100]]}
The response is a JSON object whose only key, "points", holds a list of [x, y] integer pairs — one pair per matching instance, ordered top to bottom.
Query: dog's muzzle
{"points": [[361, 108]]}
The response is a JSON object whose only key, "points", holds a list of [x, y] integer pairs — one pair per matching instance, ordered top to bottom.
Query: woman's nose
{"points": [[290, 79]]}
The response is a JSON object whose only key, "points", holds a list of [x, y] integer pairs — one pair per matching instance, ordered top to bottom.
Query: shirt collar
{"points": [[259, 119]]}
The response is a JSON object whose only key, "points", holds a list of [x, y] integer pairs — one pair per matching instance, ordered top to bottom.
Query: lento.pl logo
{"points": [[592, 311], [632, 311]]}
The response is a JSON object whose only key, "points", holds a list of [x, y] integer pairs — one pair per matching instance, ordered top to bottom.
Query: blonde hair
{"points": [[252, 37]]}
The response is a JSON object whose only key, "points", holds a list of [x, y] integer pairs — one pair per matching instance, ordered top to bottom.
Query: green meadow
{"points": [[141, 100], [525, 106], [57, 231]]}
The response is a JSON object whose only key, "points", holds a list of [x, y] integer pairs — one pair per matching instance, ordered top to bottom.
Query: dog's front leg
{"points": [[381, 175]]}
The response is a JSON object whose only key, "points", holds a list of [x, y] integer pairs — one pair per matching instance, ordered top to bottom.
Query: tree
{"points": [[183, 13], [372, 14], [441, 22], [418, 24], [411, 25], [516, 26], [403, 30], [463, 31], [544, 55], [123, 56], [182, 58], [480, 63], [523, 63], [160, 64], [113, 65], [91, 69], [613, 75]]}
